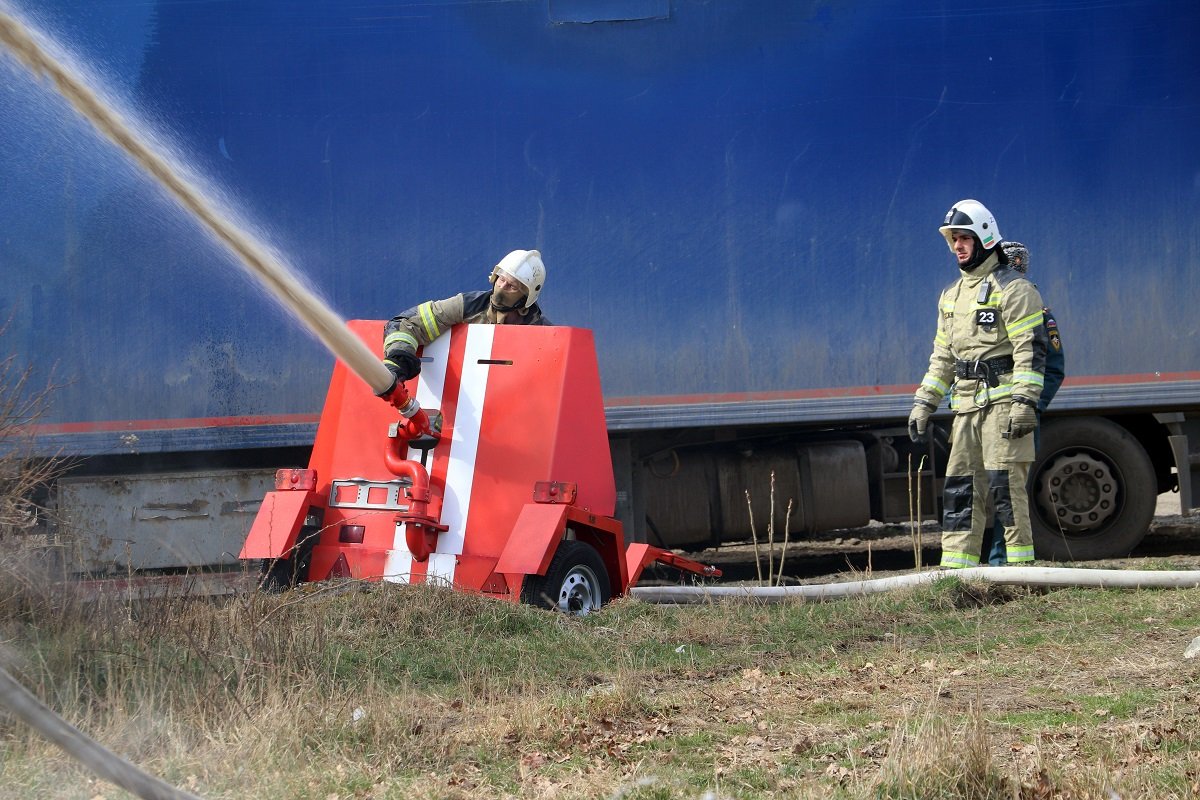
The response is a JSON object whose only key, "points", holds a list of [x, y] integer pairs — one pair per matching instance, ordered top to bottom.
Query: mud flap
{"points": [[277, 524], [535, 536]]}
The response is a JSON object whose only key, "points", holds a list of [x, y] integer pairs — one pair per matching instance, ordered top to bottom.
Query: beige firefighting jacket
{"points": [[990, 311], [422, 324]]}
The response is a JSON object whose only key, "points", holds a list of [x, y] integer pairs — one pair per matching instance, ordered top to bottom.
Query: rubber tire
{"points": [[1134, 491], [575, 570], [280, 574]]}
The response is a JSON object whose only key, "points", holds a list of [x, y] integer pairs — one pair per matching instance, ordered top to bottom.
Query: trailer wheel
{"points": [[1092, 491], [279, 574], [576, 581]]}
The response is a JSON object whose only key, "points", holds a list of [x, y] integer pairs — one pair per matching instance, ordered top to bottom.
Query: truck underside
{"points": [[1093, 489]]}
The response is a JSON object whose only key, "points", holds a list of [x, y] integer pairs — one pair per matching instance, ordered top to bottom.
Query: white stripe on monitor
{"points": [[463, 449]]}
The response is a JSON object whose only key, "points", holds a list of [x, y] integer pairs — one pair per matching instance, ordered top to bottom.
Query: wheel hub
{"points": [[1079, 491], [580, 592]]}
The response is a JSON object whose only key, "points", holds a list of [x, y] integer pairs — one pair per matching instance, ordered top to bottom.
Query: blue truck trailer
{"points": [[739, 197]]}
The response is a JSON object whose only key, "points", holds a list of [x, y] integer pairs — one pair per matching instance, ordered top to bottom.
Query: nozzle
{"points": [[399, 397]]}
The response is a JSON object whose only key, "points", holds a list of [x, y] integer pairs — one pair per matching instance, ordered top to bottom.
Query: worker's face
{"points": [[964, 245], [507, 291]]}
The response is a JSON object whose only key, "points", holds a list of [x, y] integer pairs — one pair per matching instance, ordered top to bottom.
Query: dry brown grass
{"points": [[24, 476], [388, 691]]}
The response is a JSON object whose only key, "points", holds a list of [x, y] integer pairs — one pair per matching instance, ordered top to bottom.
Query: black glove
{"points": [[403, 365], [1022, 418], [918, 421]]}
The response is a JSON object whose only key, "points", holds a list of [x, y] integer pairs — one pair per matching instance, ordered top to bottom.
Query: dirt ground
{"points": [[880, 549]]}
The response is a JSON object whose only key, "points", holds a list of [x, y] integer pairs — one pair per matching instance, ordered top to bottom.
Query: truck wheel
{"points": [[1092, 491], [279, 574], [576, 581]]}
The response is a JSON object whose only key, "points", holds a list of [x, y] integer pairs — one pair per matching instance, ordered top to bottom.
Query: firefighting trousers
{"points": [[983, 463]]}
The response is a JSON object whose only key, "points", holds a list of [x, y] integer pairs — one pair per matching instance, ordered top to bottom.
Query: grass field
{"points": [[367, 691]]}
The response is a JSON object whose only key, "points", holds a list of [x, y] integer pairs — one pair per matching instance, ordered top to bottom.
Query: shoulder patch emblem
{"points": [[1052, 329]]}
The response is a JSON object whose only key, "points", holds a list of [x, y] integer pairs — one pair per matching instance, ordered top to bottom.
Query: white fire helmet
{"points": [[973, 216], [526, 268]]}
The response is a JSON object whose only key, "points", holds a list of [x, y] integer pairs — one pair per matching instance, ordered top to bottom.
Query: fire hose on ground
{"points": [[1056, 577]]}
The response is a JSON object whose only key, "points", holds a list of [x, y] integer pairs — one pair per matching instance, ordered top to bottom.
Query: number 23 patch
{"points": [[986, 317]]}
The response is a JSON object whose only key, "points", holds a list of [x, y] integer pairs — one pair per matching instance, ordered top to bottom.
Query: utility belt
{"points": [[986, 369]]}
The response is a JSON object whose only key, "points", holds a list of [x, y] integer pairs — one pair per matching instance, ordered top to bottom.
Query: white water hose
{"points": [[1012, 576]]}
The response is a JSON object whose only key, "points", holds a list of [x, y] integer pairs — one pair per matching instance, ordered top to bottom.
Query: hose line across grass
{"points": [[1012, 576]]}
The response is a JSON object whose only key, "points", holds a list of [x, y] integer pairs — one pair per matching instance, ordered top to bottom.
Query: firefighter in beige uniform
{"points": [[516, 283], [989, 355]]}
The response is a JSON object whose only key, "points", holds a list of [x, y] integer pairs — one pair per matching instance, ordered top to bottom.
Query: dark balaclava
{"points": [[978, 255]]}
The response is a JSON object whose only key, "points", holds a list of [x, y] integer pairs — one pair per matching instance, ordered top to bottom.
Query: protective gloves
{"points": [[403, 365], [1022, 418], [918, 420]]}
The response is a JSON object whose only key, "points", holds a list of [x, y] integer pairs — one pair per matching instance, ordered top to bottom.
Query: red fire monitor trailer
{"points": [[513, 496]]}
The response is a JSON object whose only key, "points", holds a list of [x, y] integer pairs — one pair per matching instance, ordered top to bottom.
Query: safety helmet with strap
{"points": [[973, 216], [526, 268]]}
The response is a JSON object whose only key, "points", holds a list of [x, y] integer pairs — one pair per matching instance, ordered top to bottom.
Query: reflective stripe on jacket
{"points": [[988, 312], [422, 324]]}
